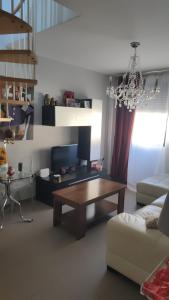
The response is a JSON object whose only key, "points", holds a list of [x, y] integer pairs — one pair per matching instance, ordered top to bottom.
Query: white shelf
{"points": [[6, 120]]}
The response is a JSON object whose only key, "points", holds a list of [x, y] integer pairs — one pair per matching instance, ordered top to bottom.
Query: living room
{"points": [[81, 51]]}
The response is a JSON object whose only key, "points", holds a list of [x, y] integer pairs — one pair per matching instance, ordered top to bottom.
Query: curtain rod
{"points": [[156, 71], [147, 72]]}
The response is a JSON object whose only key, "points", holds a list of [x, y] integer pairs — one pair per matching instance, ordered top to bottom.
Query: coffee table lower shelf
{"points": [[89, 204], [95, 213]]}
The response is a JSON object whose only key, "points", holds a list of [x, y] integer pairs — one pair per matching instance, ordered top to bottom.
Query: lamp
{"points": [[131, 91], [163, 223]]}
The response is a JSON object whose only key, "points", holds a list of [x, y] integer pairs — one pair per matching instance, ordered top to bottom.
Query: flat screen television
{"points": [[63, 157]]}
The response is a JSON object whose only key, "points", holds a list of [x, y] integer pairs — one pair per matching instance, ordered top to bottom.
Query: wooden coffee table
{"points": [[79, 196]]}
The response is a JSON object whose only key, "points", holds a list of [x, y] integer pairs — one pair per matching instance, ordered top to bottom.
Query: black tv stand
{"points": [[46, 185]]}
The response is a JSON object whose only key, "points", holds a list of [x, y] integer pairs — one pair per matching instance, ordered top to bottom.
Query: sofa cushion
{"points": [[154, 186], [142, 198], [159, 201], [149, 211], [132, 249]]}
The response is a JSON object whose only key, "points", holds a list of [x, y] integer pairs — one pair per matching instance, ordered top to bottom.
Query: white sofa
{"points": [[151, 188], [132, 249]]}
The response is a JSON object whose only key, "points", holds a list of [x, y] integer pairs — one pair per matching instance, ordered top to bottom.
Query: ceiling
{"points": [[99, 38]]}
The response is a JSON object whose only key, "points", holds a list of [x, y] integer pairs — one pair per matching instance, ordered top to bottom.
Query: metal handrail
{"points": [[18, 7]]}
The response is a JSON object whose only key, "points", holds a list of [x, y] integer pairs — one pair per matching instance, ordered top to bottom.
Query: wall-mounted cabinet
{"points": [[62, 116], [66, 116], [89, 121]]}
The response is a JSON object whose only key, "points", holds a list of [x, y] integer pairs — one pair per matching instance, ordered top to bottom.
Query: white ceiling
{"points": [[98, 39]]}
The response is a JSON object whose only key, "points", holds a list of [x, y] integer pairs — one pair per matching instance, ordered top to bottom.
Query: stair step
{"points": [[9, 23], [18, 56], [10, 80]]}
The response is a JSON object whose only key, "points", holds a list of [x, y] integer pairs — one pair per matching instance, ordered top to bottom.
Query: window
{"points": [[149, 129]]}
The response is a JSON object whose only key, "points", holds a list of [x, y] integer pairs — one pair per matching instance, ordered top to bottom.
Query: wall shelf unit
{"points": [[11, 80], [14, 90], [15, 102]]}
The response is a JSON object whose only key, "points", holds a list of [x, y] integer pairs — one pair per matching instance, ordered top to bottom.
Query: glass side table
{"points": [[7, 180], [156, 286]]}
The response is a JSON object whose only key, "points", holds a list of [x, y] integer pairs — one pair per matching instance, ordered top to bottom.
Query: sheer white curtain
{"points": [[149, 149]]}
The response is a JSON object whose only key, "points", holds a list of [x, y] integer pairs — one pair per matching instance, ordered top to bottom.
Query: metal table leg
{"points": [[8, 196], [5, 200]]}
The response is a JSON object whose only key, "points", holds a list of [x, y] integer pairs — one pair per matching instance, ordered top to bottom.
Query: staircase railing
{"points": [[19, 7], [43, 13]]}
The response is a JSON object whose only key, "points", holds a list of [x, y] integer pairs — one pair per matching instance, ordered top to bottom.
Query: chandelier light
{"points": [[131, 91]]}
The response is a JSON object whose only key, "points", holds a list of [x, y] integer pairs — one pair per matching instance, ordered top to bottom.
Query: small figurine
{"points": [[47, 99], [52, 101], [9, 136], [11, 171]]}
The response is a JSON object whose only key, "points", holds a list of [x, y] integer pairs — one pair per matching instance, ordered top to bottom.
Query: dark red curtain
{"points": [[123, 132]]}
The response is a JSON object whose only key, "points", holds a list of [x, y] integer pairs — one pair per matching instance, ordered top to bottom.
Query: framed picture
{"points": [[10, 92], [70, 102], [87, 104]]}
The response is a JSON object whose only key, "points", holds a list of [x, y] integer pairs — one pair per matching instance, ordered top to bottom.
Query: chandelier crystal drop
{"points": [[131, 91]]}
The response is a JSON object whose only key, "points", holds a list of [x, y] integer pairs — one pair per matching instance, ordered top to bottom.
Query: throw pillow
{"points": [[151, 222]]}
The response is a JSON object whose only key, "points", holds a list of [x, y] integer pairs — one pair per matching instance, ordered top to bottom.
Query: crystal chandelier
{"points": [[131, 91]]}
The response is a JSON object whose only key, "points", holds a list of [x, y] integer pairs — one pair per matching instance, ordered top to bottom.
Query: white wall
{"points": [[53, 78]]}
